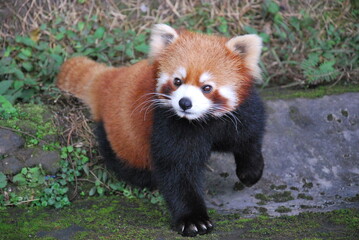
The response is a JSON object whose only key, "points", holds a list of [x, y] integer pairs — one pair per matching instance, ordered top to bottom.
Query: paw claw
{"points": [[192, 228]]}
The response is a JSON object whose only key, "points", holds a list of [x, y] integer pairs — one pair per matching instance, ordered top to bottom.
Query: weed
{"points": [[77, 177]]}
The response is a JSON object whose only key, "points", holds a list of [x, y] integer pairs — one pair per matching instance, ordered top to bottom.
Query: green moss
{"points": [[321, 91], [35, 121], [306, 184], [238, 186], [279, 187], [294, 188], [303, 196], [262, 197], [276, 197], [282, 197], [353, 199], [307, 206], [283, 209], [262, 210], [120, 218]]}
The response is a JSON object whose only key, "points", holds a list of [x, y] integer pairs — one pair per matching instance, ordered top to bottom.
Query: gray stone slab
{"points": [[9, 141], [311, 151]]}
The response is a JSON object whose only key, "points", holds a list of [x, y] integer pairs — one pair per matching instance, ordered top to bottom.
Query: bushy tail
{"points": [[77, 76]]}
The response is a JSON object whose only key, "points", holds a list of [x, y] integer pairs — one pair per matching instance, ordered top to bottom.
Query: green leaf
{"points": [[272, 7], [278, 18], [294, 21], [80, 26], [223, 28], [250, 30], [99, 32], [59, 36], [265, 37], [25, 40], [119, 47], [143, 47], [8, 51], [26, 51], [129, 51], [28, 66], [19, 74], [30, 81], [18, 84], [5, 85], [6, 106], [70, 149], [63, 155], [86, 169], [24, 171], [104, 177], [19, 179], [3, 180], [97, 183], [117, 186], [92, 191], [100, 191], [154, 200]]}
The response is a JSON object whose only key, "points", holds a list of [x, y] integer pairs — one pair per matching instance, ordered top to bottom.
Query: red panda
{"points": [[159, 119]]}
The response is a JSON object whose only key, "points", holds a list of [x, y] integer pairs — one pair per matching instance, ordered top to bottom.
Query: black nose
{"points": [[185, 103]]}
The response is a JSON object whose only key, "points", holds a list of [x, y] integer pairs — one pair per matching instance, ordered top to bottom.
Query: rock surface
{"points": [[9, 141], [311, 152], [115, 217]]}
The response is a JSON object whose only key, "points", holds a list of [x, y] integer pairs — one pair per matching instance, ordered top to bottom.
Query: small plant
{"points": [[29, 64], [316, 71], [7, 110], [31, 177], [3, 180]]}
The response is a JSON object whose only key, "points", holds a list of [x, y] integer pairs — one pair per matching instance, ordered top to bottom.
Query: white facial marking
{"points": [[180, 73], [205, 77], [162, 79], [229, 93], [200, 104]]}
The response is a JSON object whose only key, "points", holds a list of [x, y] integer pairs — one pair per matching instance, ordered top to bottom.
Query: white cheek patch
{"points": [[205, 77], [229, 93], [200, 104]]}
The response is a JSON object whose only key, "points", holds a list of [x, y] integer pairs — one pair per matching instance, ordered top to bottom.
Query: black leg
{"points": [[179, 152], [249, 161], [179, 178]]}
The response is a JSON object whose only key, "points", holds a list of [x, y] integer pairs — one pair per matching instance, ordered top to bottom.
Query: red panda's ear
{"points": [[161, 36], [249, 47]]}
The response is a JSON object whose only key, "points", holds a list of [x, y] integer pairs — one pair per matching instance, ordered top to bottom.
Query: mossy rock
{"points": [[120, 218]]}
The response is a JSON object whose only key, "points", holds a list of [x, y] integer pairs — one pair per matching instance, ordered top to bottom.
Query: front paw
{"points": [[250, 175], [190, 227]]}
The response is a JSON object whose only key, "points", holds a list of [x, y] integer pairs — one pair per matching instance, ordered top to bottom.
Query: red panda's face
{"points": [[201, 75], [195, 97]]}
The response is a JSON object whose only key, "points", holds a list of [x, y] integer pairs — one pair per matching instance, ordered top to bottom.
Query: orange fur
{"points": [[200, 53], [116, 96], [119, 97]]}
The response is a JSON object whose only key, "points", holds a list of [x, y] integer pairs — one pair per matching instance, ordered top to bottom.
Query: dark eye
{"points": [[177, 82], [207, 88]]}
